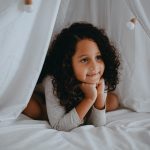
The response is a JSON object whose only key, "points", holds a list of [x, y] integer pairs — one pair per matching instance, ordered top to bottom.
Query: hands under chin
{"points": [[89, 90], [95, 91]]}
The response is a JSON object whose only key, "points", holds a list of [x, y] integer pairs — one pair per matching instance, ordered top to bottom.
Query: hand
{"points": [[100, 87], [89, 90], [101, 95]]}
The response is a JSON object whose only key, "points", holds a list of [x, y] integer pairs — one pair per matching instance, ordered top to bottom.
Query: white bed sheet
{"points": [[125, 130]]}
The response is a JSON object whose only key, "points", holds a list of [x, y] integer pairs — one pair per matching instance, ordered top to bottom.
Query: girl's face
{"points": [[87, 62]]}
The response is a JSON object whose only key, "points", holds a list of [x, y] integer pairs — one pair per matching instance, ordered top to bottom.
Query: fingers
{"points": [[101, 81], [83, 85], [101, 86], [86, 87], [89, 90]]}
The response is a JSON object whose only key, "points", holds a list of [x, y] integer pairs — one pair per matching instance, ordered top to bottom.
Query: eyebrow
{"points": [[83, 55]]}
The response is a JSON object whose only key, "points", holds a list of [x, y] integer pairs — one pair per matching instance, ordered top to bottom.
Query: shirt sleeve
{"points": [[97, 117], [58, 119]]}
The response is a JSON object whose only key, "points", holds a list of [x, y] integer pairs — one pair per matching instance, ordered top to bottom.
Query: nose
{"points": [[93, 66]]}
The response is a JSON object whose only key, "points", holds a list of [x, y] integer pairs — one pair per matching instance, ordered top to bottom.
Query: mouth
{"points": [[93, 74]]}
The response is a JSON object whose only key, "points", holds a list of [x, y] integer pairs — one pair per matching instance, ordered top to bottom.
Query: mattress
{"points": [[124, 130]]}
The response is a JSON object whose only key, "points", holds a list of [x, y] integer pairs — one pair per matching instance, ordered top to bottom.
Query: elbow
{"points": [[59, 127]]}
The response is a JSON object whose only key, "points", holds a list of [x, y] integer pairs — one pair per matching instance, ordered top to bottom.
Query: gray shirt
{"points": [[61, 120]]}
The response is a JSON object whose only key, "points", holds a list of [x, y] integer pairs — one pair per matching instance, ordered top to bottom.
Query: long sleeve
{"points": [[97, 117], [58, 119]]}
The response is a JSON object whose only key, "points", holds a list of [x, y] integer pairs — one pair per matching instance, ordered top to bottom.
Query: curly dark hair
{"points": [[59, 62]]}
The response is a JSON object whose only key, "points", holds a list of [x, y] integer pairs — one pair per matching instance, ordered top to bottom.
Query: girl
{"points": [[82, 67]]}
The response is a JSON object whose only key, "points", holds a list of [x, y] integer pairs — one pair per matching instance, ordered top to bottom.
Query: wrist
{"points": [[91, 100], [100, 102], [100, 107]]}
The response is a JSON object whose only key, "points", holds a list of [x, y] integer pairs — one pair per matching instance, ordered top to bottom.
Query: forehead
{"points": [[87, 46]]}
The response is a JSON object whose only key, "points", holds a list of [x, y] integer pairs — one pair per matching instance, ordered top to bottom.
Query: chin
{"points": [[91, 82]]}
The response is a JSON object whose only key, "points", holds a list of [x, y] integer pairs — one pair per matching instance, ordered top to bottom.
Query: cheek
{"points": [[80, 74]]}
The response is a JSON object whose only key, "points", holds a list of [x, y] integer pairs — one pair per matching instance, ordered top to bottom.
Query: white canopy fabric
{"points": [[140, 9], [24, 40], [134, 46]]}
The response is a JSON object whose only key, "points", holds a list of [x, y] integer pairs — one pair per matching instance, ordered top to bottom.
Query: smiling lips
{"points": [[93, 74]]}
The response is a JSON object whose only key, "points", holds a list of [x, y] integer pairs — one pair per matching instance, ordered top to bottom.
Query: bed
{"points": [[124, 130]]}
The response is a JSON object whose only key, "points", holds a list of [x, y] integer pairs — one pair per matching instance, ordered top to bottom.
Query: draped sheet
{"points": [[24, 40], [134, 46]]}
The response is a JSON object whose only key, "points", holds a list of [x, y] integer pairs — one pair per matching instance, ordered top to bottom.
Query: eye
{"points": [[99, 57], [84, 60]]}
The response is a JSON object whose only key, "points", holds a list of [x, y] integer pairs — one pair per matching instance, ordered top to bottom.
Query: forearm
{"points": [[100, 102], [83, 107], [97, 117]]}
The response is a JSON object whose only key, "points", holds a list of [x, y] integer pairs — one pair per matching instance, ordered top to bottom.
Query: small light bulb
{"points": [[28, 7], [131, 23]]}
